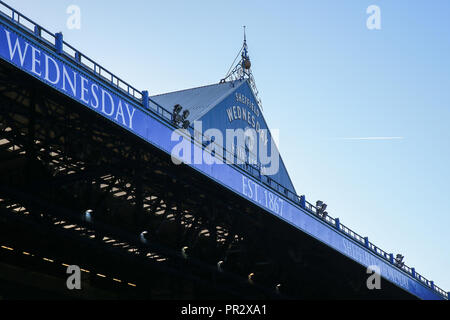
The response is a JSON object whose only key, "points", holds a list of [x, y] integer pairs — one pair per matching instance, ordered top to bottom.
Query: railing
{"points": [[50, 39], [55, 43]]}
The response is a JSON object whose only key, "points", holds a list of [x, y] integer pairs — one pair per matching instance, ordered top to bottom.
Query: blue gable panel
{"points": [[239, 110]]}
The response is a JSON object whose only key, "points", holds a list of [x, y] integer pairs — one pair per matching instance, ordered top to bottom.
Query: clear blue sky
{"points": [[324, 79]]}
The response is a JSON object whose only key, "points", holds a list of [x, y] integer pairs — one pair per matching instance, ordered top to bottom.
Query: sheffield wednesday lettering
{"points": [[52, 71], [241, 113]]}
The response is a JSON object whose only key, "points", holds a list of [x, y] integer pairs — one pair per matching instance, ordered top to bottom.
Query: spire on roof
{"points": [[246, 63], [242, 70]]}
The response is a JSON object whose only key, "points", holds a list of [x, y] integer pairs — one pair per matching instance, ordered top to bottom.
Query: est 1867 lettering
{"points": [[260, 195]]}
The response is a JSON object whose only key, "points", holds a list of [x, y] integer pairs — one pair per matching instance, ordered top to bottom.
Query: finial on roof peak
{"points": [[242, 70]]}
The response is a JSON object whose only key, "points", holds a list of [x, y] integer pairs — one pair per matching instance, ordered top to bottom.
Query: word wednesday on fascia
{"points": [[60, 75], [198, 311]]}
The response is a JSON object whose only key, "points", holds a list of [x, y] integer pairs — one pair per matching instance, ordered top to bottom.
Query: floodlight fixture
{"points": [[186, 114], [88, 216], [144, 236], [184, 252]]}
